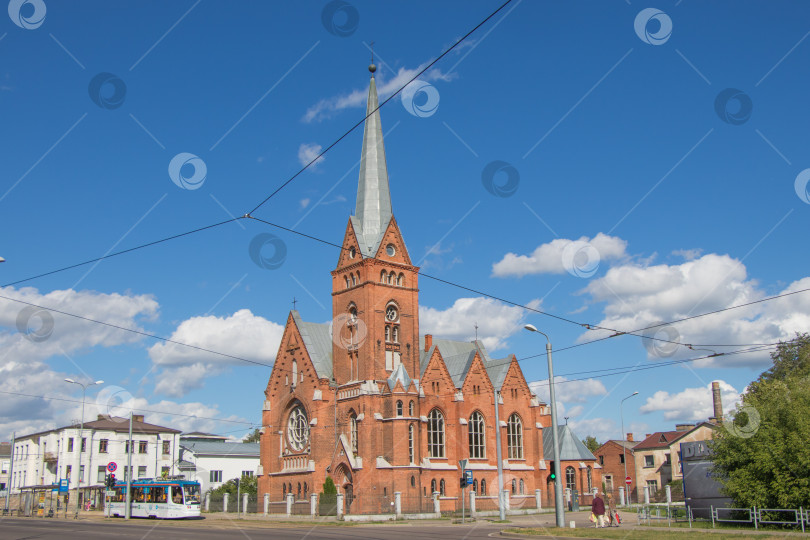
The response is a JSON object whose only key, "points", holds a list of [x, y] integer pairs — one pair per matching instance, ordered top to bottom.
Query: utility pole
{"points": [[499, 457], [11, 470], [128, 510]]}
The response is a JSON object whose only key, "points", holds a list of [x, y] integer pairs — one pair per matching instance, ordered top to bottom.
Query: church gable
{"points": [[393, 237], [351, 252], [293, 365], [436, 380], [476, 380], [514, 383]]}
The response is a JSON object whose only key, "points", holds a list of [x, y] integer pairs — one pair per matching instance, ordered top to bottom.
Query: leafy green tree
{"points": [[253, 437], [591, 443], [761, 454], [250, 486], [329, 487]]}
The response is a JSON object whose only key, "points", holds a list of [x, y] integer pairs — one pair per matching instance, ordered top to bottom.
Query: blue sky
{"points": [[642, 190]]}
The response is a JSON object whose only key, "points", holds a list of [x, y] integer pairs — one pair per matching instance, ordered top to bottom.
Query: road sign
{"points": [[462, 463], [111, 466], [468, 475], [628, 480], [64, 484]]}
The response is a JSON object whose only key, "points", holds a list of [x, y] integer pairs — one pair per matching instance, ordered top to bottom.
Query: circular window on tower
{"points": [[391, 250], [352, 252], [391, 313], [352, 315], [298, 429]]}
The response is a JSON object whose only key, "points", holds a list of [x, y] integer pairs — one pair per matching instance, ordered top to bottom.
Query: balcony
{"points": [[50, 457]]}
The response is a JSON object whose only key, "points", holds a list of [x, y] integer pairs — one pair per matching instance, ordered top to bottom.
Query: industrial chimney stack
{"points": [[718, 403]]}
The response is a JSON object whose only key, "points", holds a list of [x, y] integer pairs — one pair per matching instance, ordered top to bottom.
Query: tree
{"points": [[253, 437], [591, 443], [760, 456], [249, 485], [329, 486]]}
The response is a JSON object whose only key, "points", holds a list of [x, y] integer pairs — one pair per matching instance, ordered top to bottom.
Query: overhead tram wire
{"points": [[389, 98]]}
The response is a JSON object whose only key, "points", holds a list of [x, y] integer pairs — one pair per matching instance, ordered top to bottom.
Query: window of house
{"points": [[383, 276], [354, 280], [401, 280], [347, 281], [387, 334], [395, 334], [399, 408], [410, 408], [476, 430], [435, 434], [514, 437], [410, 443], [70, 444], [84, 445], [102, 446], [142, 447], [167, 448], [621, 458], [668, 459], [601, 460], [649, 461], [68, 470], [142, 471], [164, 471], [81, 473], [101, 474], [249, 474], [215, 476], [570, 478], [590, 479], [413, 481], [475, 485], [652, 485], [433, 486], [514, 486], [522, 486], [441, 487], [483, 487]]}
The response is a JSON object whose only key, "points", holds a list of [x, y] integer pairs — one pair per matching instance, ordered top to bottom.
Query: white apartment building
{"points": [[82, 456], [212, 460]]}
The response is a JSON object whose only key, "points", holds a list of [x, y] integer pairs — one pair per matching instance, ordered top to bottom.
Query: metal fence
{"points": [[786, 517]]}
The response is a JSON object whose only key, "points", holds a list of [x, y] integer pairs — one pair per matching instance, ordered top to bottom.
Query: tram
{"points": [[157, 498]]}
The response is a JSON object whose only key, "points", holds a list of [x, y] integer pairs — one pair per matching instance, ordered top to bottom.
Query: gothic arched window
{"points": [[399, 407], [410, 408], [298, 429], [353, 431], [435, 434], [477, 436], [514, 437], [410, 445], [570, 478]]}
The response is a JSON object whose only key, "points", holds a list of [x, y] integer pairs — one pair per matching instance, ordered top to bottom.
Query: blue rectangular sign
{"points": [[468, 476], [64, 485]]}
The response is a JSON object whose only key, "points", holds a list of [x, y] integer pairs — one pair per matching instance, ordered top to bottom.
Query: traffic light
{"points": [[552, 475], [111, 481], [462, 482]]}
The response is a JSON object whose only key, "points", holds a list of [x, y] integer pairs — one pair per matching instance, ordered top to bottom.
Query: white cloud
{"points": [[357, 98], [309, 151], [304, 203], [688, 254], [562, 255], [638, 296], [496, 321], [242, 335], [569, 391], [691, 404]]}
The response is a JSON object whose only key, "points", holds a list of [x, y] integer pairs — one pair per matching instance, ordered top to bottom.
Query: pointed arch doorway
{"points": [[343, 478]]}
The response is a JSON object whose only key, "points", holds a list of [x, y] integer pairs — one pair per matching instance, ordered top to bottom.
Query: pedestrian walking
{"points": [[598, 509], [611, 510]]}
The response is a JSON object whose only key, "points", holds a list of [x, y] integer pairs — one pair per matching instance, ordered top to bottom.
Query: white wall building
{"points": [[46, 457], [212, 460]]}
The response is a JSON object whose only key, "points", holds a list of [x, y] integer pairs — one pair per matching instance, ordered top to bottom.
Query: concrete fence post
{"points": [[646, 494], [669, 494], [505, 496], [621, 496], [537, 499], [207, 502], [225, 502], [244, 503], [266, 503], [472, 503], [289, 504], [313, 504], [398, 504], [339, 505], [437, 509]]}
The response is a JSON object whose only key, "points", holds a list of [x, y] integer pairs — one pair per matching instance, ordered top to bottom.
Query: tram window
{"points": [[192, 492], [157, 494], [177, 495]]}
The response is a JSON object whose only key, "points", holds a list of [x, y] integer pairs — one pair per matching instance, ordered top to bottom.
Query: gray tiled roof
{"points": [[318, 341], [458, 356], [399, 374], [221, 448], [571, 448]]}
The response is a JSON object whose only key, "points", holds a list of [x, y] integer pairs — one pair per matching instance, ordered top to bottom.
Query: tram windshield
{"points": [[192, 492]]}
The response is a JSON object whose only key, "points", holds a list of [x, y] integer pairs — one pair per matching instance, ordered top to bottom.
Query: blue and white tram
{"points": [[157, 498]]}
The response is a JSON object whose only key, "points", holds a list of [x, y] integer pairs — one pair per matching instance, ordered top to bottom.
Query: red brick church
{"points": [[380, 408]]}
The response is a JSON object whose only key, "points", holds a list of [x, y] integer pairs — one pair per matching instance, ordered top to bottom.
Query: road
{"points": [[28, 528]]}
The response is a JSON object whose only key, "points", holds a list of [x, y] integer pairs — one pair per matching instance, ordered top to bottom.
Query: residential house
{"points": [[617, 459], [213, 460]]}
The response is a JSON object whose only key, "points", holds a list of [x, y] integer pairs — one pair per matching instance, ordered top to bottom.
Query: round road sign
{"points": [[111, 466], [628, 480]]}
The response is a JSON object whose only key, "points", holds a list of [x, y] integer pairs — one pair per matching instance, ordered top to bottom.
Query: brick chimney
{"points": [[428, 342], [718, 402], [137, 418], [629, 437]]}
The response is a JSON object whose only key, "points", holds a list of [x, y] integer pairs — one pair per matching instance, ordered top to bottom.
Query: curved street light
{"points": [[81, 438]]}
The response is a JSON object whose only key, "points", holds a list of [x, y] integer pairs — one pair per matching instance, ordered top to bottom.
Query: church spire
{"points": [[373, 196]]}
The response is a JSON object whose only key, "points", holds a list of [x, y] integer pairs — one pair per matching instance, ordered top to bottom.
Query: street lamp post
{"points": [[81, 438], [624, 446], [558, 502]]}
